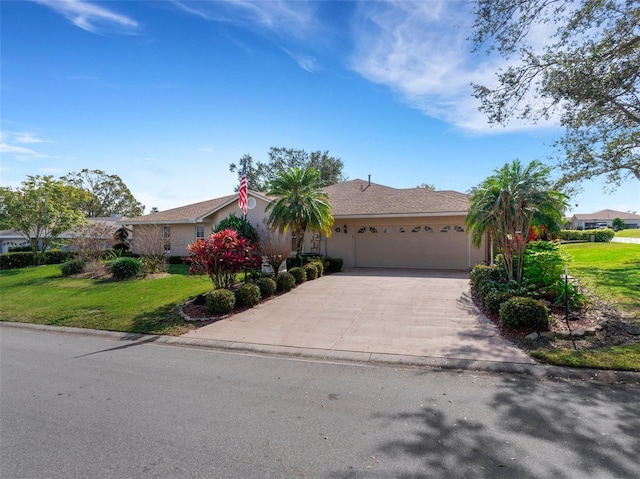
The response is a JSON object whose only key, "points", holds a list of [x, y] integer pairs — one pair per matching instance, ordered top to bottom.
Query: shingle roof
{"points": [[349, 198], [362, 198], [185, 214], [607, 215]]}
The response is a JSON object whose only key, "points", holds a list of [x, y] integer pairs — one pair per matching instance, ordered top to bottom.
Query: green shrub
{"points": [[599, 236], [19, 249], [55, 256], [15, 260], [176, 260], [154, 263], [543, 263], [335, 265], [319, 266], [71, 267], [125, 268], [311, 271], [299, 274], [285, 281], [267, 286], [248, 295], [494, 299], [220, 301], [519, 312]]}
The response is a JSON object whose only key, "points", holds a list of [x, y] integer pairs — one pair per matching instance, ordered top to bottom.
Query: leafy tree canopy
{"points": [[588, 73], [259, 174], [426, 186], [108, 194], [301, 204], [507, 204], [41, 209], [238, 224]]}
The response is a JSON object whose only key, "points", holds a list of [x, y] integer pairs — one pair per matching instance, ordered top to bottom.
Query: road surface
{"points": [[80, 407]]}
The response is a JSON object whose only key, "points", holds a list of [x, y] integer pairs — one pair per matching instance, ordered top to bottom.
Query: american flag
{"points": [[242, 193]]}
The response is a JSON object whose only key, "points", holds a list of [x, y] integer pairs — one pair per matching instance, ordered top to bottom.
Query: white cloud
{"points": [[90, 16], [282, 17], [420, 50], [306, 62], [28, 137], [20, 151]]}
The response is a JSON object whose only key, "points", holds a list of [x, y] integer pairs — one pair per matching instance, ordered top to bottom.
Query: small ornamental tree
{"points": [[222, 255]]}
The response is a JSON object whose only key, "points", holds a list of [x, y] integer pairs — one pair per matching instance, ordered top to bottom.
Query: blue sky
{"points": [[166, 94]]}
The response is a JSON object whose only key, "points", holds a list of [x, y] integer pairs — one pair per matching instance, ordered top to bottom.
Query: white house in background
{"points": [[603, 219], [375, 226], [10, 238]]}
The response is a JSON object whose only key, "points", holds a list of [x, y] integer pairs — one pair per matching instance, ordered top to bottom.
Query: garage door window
{"points": [[400, 229], [415, 229], [429, 229], [445, 229], [459, 229]]}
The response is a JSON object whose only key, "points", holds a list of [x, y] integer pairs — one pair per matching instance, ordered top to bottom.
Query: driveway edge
{"points": [[348, 357]]}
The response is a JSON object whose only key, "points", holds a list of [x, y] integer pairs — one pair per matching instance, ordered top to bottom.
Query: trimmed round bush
{"points": [[75, 266], [319, 266], [125, 268], [311, 271], [299, 274], [285, 281], [267, 287], [248, 295], [494, 299], [220, 301], [520, 312]]}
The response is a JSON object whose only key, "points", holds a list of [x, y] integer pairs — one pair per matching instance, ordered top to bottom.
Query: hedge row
{"points": [[600, 236], [24, 259], [330, 265]]}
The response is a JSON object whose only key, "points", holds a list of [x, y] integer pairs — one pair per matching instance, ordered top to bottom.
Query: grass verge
{"points": [[634, 233], [612, 272], [41, 295]]}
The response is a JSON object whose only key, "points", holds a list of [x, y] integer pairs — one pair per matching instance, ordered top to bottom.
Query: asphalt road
{"points": [[85, 407]]}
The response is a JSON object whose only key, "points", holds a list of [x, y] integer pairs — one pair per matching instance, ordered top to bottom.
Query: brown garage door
{"points": [[430, 246]]}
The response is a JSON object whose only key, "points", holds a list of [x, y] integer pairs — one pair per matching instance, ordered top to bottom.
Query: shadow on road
{"points": [[561, 430]]}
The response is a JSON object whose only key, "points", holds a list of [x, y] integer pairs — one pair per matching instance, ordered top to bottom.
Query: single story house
{"points": [[603, 219], [375, 226], [11, 238]]}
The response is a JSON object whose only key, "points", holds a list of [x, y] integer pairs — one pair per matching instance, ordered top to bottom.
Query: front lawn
{"points": [[634, 233], [612, 272], [41, 295]]}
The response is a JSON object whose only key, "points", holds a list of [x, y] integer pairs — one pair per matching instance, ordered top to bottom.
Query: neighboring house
{"points": [[603, 219], [375, 226], [10, 238]]}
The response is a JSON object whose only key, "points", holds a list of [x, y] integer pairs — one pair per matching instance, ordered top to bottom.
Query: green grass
{"points": [[634, 233], [612, 272], [41, 295], [620, 358]]}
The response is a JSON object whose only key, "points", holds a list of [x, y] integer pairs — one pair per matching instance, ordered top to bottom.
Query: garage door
{"points": [[430, 246]]}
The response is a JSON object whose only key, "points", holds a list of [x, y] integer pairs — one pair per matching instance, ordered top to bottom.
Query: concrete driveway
{"points": [[387, 311]]}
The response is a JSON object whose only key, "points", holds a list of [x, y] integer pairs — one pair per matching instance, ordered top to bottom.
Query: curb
{"points": [[348, 357]]}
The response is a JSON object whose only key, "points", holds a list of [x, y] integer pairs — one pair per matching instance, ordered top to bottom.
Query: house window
{"points": [[199, 232], [166, 236]]}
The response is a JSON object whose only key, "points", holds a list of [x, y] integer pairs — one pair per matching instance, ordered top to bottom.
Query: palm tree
{"points": [[301, 204], [506, 205]]}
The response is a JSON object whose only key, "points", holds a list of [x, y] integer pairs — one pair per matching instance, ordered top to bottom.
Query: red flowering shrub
{"points": [[222, 255]]}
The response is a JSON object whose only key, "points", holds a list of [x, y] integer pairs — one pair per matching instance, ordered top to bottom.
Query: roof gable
{"points": [[363, 198], [606, 215]]}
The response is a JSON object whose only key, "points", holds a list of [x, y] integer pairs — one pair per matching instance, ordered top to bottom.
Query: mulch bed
{"points": [[619, 329]]}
